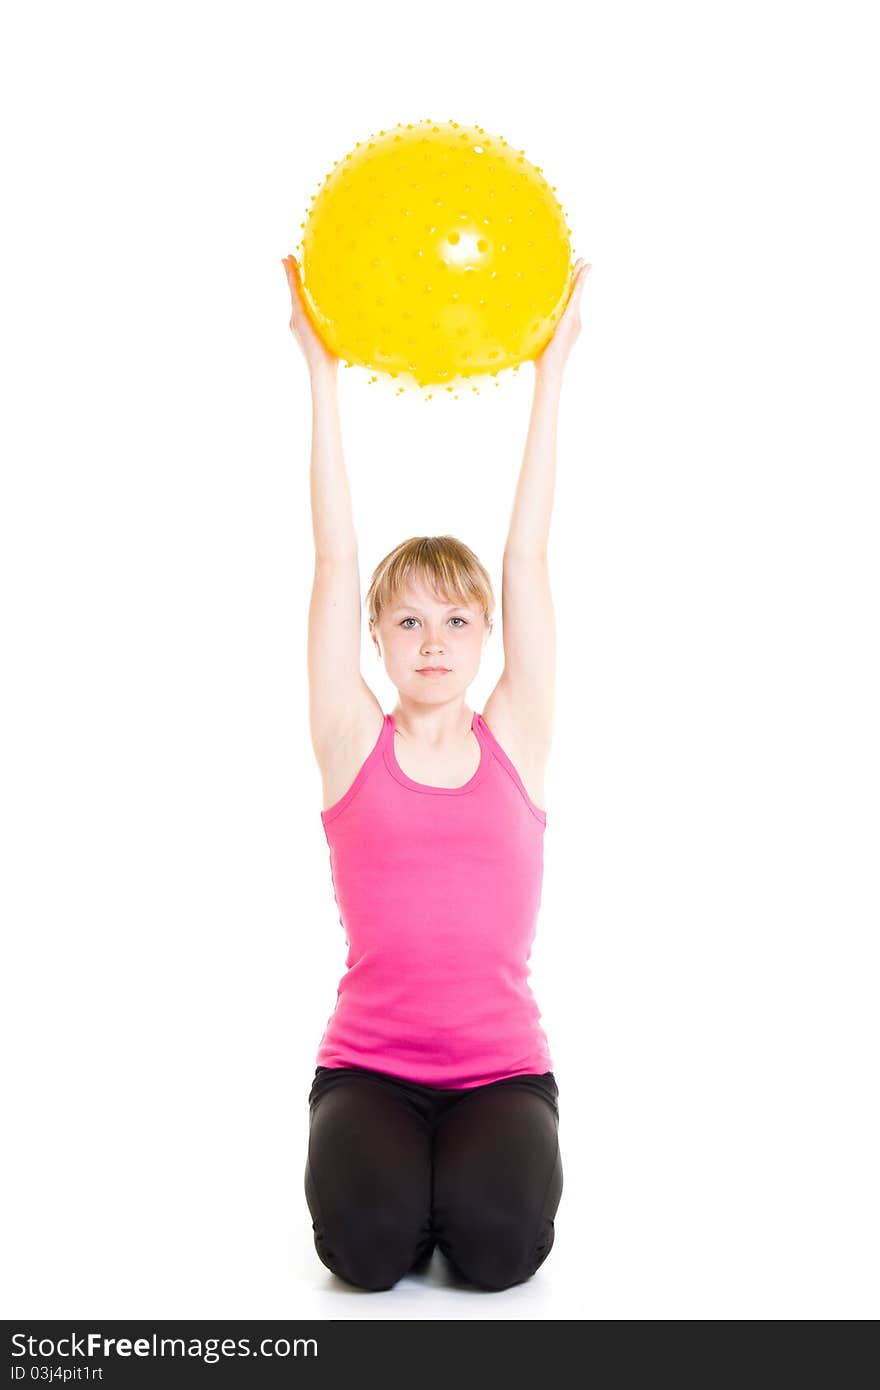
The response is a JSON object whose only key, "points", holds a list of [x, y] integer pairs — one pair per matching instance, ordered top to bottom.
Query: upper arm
{"points": [[338, 693], [522, 701]]}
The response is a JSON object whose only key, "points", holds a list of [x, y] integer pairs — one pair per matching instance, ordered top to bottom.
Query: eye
{"points": [[403, 623]]}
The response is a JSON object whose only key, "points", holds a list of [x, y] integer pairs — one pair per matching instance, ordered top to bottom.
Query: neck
{"points": [[434, 725]]}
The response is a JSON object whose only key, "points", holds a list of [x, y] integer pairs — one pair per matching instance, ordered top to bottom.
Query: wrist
{"points": [[321, 372], [547, 377]]}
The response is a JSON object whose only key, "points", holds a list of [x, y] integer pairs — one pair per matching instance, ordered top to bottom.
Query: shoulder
{"points": [[520, 735], [528, 754], [341, 756]]}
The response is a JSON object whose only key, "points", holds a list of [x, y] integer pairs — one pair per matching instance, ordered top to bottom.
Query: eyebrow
{"points": [[411, 607]]}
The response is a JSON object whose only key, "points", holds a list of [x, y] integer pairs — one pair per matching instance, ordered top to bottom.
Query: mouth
{"points": [[432, 671]]}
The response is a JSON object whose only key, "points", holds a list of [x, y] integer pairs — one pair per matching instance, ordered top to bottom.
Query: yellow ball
{"points": [[435, 253]]}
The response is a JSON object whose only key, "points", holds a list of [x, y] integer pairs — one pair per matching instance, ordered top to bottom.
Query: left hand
{"points": [[555, 355]]}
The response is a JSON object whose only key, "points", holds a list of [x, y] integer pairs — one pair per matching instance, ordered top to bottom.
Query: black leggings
{"points": [[396, 1167]]}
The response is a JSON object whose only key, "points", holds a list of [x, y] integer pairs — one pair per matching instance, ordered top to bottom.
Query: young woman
{"points": [[433, 1114]]}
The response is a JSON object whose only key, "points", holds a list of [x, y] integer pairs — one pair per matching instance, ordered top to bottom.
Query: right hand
{"points": [[316, 353]]}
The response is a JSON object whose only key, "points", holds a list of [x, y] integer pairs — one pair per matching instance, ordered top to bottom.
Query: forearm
{"points": [[332, 521], [529, 530]]}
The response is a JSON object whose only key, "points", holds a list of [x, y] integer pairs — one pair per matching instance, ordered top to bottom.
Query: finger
{"points": [[580, 273], [576, 287]]}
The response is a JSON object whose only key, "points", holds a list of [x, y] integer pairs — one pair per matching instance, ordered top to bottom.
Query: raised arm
{"points": [[337, 690], [522, 701]]}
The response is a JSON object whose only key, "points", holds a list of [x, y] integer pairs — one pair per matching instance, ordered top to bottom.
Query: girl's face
{"points": [[420, 630]]}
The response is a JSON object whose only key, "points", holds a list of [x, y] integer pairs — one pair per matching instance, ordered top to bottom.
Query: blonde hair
{"points": [[449, 566]]}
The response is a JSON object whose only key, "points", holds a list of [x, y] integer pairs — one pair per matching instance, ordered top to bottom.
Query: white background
{"points": [[706, 959]]}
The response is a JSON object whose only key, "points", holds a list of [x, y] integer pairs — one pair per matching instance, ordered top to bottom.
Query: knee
{"points": [[371, 1248], [496, 1248]]}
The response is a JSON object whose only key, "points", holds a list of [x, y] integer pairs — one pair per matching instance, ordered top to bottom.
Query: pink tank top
{"points": [[438, 890]]}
